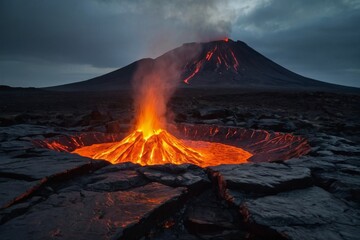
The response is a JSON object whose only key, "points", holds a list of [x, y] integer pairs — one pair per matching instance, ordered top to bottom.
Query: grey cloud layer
{"points": [[315, 37], [318, 39]]}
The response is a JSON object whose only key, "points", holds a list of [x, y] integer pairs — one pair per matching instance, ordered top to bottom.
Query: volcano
{"points": [[223, 63]]}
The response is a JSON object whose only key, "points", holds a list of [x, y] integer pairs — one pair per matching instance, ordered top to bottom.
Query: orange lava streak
{"points": [[210, 53], [236, 65], [197, 69]]}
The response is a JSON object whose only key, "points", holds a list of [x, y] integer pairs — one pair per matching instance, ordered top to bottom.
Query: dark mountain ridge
{"points": [[216, 64]]}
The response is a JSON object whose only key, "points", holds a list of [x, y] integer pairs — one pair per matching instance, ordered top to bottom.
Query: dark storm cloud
{"points": [[65, 31], [95, 32], [98, 33], [318, 39], [53, 42]]}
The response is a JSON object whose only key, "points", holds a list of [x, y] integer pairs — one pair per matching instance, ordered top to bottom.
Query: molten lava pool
{"points": [[204, 146], [161, 148]]}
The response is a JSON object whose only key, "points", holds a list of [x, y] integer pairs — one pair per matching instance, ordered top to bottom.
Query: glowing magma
{"points": [[151, 144], [161, 148]]}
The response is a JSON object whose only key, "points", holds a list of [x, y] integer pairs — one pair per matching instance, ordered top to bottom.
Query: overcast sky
{"points": [[48, 42]]}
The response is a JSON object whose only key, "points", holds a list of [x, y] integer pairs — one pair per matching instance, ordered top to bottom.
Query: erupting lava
{"points": [[151, 144], [161, 147]]}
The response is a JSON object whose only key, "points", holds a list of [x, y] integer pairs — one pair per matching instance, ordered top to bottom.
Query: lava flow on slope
{"points": [[219, 56], [151, 144]]}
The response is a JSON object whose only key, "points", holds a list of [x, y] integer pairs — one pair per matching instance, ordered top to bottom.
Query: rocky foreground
{"points": [[47, 194]]}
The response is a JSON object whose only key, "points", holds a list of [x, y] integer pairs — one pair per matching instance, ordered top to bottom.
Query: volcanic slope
{"points": [[219, 64]]}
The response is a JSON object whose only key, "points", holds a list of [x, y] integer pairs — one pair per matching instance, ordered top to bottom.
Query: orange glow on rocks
{"points": [[226, 39], [196, 70], [265, 146]]}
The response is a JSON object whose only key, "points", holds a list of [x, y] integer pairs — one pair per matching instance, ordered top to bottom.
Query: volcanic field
{"points": [[208, 141]]}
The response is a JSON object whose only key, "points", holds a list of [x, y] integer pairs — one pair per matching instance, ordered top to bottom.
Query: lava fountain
{"points": [[150, 143]]}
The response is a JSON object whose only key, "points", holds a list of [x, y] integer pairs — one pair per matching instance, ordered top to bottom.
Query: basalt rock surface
{"points": [[52, 194], [75, 197], [310, 213], [71, 214]]}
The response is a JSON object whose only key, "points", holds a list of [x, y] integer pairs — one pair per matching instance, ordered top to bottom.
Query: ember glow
{"points": [[150, 143]]}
